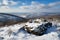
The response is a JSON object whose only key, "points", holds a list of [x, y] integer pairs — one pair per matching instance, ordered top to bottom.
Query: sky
{"points": [[29, 6]]}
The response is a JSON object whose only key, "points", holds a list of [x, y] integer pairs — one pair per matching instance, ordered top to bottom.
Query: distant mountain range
{"points": [[33, 15], [38, 15]]}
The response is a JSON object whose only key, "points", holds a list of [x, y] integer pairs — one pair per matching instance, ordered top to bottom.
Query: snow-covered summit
{"points": [[14, 32]]}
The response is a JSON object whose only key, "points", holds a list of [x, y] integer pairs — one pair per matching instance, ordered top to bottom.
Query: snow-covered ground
{"points": [[13, 32]]}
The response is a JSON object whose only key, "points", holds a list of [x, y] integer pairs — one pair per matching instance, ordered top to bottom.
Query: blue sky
{"points": [[41, 1], [29, 6]]}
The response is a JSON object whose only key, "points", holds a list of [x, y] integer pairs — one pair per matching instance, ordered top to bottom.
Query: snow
{"points": [[32, 25], [13, 33]]}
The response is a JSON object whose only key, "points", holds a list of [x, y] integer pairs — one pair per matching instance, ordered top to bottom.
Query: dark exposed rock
{"points": [[40, 30], [1, 38]]}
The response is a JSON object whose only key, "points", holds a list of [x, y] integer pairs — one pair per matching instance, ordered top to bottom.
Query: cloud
{"points": [[5, 2], [8, 3], [12, 3], [54, 4], [5, 6], [34, 7], [39, 7]]}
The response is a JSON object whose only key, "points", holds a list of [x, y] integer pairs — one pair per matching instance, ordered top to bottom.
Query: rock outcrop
{"points": [[40, 30]]}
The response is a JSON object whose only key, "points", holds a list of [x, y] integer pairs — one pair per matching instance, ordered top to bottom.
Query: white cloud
{"points": [[7, 3], [12, 3], [54, 4], [37, 5], [5, 6], [34, 7], [6, 9]]}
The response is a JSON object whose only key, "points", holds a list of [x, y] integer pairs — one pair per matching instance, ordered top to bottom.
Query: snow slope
{"points": [[14, 32]]}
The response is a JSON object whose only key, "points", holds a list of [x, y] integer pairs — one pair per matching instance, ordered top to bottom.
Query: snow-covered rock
{"points": [[16, 33]]}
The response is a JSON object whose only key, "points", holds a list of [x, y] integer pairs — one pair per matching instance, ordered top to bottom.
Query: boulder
{"points": [[40, 30]]}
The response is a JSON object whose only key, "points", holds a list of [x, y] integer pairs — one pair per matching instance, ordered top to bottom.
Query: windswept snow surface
{"points": [[15, 32]]}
